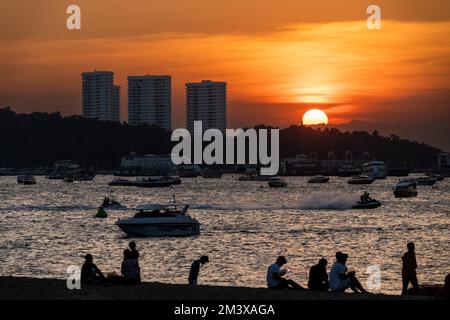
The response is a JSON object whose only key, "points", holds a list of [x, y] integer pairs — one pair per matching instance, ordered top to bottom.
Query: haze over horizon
{"points": [[279, 60]]}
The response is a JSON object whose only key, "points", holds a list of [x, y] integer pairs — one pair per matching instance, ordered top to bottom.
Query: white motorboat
{"points": [[319, 179], [362, 179], [276, 182], [405, 189], [160, 220]]}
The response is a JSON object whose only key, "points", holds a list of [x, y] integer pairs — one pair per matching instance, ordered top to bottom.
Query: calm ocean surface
{"points": [[244, 226]]}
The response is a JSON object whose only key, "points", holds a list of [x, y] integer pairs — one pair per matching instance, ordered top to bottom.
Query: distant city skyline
{"points": [[278, 61]]}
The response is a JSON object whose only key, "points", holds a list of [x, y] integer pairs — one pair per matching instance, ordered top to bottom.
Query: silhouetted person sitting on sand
{"points": [[409, 269], [195, 270], [130, 271], [90, 273], [275, 275], [318, 277], [340, 279], [446, 289]]}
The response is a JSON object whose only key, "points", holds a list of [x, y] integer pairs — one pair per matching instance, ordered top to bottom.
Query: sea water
{"points": [[47, 227]]}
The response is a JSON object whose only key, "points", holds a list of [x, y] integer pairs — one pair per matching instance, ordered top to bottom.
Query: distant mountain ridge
{"points": [[40, 139]]}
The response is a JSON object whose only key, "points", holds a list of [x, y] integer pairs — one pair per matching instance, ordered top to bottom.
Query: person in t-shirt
{"points": [[409, 269], [195, 270], [90, 273], [275, 275], [318, 276], [341, 279]]}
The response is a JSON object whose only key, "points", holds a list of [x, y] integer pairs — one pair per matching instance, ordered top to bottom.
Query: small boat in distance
{"points": [[212, 174], [254, 177], [438, 177], [26, 179], [68, 179], [319, 179], [361, 179], [426, 181], [118, 182], [152, 182], [277, 182], [405, 189], [160, 220]]}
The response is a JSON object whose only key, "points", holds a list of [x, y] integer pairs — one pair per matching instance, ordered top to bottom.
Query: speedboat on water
{"points": [[254, 177], [438, 177], [26, 179], [68, 179], [172, 179], [319, 179], [361, 179], [426, 181], [118, 182], [152, 182], [276, 182], [405, 189], [112, 204], [370, 204], [160, 220]]}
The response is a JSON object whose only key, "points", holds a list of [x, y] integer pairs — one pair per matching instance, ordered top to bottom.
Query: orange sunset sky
{"points": [[279, 58]]}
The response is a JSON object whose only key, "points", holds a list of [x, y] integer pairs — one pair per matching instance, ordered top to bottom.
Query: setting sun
{"points": [[314, 117]]}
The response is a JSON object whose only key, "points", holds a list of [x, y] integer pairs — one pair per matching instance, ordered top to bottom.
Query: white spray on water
{"points": [[329, 200]]}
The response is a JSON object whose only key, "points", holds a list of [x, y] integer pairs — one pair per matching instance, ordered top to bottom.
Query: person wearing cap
{"points": [[409, 269], [195, 270], [90, 273], [275, 275], [318, 277], [340, 280]]}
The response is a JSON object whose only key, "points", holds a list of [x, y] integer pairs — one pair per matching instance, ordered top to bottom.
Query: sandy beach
{"points": [[17, 288]]}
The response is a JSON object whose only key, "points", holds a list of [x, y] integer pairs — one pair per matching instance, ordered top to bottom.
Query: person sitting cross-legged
{"points": [[318, 277], [340, 279]]}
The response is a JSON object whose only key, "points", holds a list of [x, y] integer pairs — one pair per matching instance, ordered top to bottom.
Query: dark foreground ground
{"points": [[12, 288]]}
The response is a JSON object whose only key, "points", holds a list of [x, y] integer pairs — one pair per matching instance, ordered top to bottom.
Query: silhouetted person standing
{"points": [[134, 252], [409, 269], [195, 270], [90, 273], [275, 275], [318, 276]]}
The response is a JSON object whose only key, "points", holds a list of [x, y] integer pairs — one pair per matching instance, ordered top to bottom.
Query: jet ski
{"points": [[112, 204], [370, 204]]}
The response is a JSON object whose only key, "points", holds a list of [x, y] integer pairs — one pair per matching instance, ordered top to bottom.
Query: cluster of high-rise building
{"points": [[150, 100]]}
